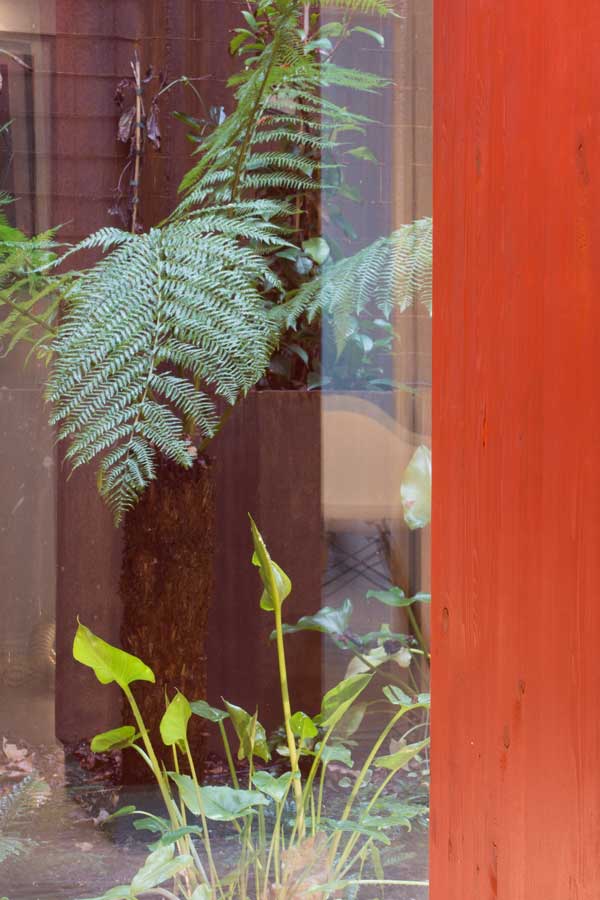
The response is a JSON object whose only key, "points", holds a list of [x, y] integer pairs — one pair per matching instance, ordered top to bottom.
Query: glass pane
{"points": [[215, 300], [376, 463]]}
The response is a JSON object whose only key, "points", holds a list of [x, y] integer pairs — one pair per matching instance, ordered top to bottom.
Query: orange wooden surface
{"points": [[516, 449]]}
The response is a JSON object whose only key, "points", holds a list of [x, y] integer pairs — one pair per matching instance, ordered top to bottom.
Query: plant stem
{"points": [[138, 142], [29, 315], [418, 633], [287, 715], [230, 761], [361, 777], [321, 787], [164, 789], [274, 848], [214, 878], [379, 883]]}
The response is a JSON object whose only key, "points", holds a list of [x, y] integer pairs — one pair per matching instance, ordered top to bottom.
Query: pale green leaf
{"points": [[374, 34], [317, 248], [415, 489], [277, 585], [328, 620], [109, 663], [340, 698], [211, 713], [174, 723], [303, 726], [251, 734], [116, 739], [401, 757], [276, 788], [222, 803], [160, 866]]}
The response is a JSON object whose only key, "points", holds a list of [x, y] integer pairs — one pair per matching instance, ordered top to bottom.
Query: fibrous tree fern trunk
{"points": [[166, 589]]}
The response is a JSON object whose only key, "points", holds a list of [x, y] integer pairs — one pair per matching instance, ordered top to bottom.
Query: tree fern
{"points": [[394, 271], [164, 322]]}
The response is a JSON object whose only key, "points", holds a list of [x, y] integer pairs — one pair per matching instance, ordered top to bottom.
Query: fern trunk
{"points": [[167, 584]]}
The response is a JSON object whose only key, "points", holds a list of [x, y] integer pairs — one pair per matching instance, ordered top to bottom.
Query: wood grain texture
{"points": [[516, 532]]}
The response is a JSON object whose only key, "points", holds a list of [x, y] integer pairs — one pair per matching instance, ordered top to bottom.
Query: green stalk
{"points": [[418, 633], [287, 715], [230, 762], [361, 777], [163, 786], [321, 787], [313, 813], [353, 839], [275, 847], [214, 878], [378, 883]]}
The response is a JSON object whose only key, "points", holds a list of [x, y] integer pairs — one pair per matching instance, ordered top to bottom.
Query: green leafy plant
{"points": [[29, 298], [169, 323], [288, 847]]}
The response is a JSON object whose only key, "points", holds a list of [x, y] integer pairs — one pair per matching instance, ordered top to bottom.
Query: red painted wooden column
{"points": [[516, 534]]}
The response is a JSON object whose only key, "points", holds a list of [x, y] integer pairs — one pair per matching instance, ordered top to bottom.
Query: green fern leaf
{"points": [[166, 321]]}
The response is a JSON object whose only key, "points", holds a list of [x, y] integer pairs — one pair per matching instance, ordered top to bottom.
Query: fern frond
{"points": [[374, 7], [279, 101], [393, 271], [29, 296], [161, 324]]}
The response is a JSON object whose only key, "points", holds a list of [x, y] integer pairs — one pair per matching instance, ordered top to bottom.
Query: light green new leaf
{"points": [[317, 249], [415, 489], [276, 583], [393, 596], [396, 597], [328, 620], [109, 663], [340, 698], [211, 713], [174, 723], [303, 726], [251, 734], [116, 739], [403, 756], [276, 788], [221, 804], [171, 837], [159, 867], [123, 892], [202, 892]]}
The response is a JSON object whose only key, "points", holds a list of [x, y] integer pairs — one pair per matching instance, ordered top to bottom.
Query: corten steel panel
{"points": [[516, 532]]}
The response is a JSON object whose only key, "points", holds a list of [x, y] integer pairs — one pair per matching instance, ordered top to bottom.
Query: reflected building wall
{"points": [[369, 435], [28, 491]]}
